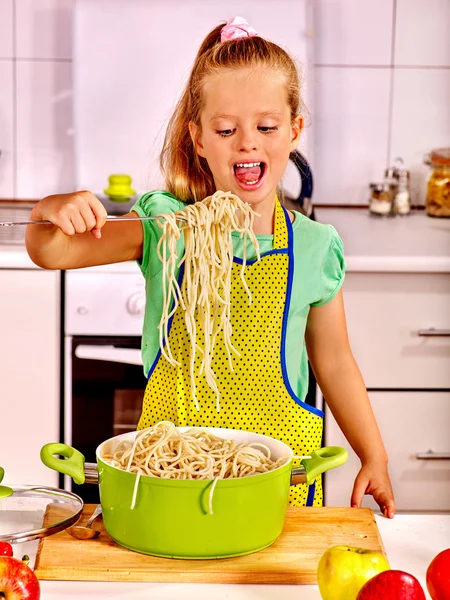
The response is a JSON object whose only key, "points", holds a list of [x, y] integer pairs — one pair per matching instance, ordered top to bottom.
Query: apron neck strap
{"points": [[280, 234]]}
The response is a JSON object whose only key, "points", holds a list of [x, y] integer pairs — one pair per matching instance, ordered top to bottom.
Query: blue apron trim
{"points": [[240, 261], [290, 278], [158, 355], [311, 494]]}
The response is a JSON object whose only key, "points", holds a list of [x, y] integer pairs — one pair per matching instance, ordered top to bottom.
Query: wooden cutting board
{"points": [[292, 559]]}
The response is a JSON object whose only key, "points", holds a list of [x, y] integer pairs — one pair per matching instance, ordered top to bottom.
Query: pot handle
{"points": [[322, 459], [72, 464], [5, 491]]}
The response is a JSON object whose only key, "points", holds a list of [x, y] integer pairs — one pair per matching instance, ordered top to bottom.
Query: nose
{"points": [[247, 140]]}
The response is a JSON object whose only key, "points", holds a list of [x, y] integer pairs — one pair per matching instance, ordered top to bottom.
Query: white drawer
{"points": [[385, 313], [411, 423]]}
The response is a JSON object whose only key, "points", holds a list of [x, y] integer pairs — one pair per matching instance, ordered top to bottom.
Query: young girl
{"points": [[233, 130]]}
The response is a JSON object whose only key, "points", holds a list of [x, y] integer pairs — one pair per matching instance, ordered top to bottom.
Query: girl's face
{"points": [[246, 132]]}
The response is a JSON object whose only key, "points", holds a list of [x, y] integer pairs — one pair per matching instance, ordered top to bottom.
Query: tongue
{"points": [[246, 174]]}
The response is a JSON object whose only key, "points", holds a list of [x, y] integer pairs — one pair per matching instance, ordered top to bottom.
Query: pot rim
{"points": [[220, 432]]}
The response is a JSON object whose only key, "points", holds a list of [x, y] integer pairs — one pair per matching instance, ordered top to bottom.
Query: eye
{"points": [[267, 129], [225, 132]]}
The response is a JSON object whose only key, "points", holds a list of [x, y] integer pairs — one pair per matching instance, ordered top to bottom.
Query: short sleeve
{"points": [[150, 205], [333, 269]]}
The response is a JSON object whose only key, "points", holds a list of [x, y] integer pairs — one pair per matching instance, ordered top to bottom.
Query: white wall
{"points": [[381, 87], [382, 90]]}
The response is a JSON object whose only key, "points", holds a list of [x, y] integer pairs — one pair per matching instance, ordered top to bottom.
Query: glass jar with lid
{"points": [[438, 187], [380, 202]]}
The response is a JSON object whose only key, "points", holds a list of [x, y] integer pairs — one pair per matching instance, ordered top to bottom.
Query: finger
{"points": [[99, 212], [88, 217], [78, 222], [65, 224], [97, 233], [359, 489], [386, 503]]}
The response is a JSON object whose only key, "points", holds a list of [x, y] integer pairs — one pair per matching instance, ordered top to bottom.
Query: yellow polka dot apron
{"points": [[257, 395]]}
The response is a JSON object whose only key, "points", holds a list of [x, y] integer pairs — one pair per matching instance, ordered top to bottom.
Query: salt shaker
{"points": [[402, 204]]}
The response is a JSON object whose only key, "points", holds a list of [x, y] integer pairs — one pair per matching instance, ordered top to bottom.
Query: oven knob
{"points": [[136, 304], [82, 310]]}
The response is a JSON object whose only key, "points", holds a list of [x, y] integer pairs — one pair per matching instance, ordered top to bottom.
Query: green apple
{"points": [[343, 570]]}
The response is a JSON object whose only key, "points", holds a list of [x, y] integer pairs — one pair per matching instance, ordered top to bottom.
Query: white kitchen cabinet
{"points": [[391, 319], [29, 372], [415, 427]]}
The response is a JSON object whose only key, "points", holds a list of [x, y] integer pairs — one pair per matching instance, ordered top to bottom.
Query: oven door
{"points": [[104, 390]]}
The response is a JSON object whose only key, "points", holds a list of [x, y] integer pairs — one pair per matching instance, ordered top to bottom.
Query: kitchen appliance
{"points": [[297, 185], [104, 379], [148, 514], [292, 559]]}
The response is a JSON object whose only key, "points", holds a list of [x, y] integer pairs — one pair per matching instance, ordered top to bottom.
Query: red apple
{"points": [[6, 549], [438, 576], [17, 580], [392, 585]]}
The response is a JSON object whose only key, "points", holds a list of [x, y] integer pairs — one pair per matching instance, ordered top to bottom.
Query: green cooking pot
{"points": [[172, 518]]}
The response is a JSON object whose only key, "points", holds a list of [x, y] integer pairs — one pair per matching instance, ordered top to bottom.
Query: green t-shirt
{"points": [[319, 269]]}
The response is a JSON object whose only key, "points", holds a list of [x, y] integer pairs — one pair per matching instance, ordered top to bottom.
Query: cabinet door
{"points": [[392, 320], [29, 372], [415, 428]]}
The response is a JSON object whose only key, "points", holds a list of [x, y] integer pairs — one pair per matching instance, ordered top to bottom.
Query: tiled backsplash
{"points": [[381, 90]]}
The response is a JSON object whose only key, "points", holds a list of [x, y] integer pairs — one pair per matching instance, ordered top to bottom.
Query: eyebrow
{"points": [[265, 113]]}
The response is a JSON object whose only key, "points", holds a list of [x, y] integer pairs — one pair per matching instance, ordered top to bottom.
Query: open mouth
{"points": [[249, 173]]}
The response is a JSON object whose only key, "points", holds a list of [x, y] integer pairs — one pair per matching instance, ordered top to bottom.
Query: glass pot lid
{"points": [[30, 512]]}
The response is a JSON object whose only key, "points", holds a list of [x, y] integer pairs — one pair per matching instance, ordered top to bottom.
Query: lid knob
{"points": [[119, 188]]}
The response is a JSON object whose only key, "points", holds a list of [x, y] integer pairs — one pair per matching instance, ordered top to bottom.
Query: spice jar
{"points": [[438, 187], [380, 199], [402, 204]]}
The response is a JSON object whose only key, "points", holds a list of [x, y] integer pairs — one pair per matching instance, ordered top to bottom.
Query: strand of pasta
{"points": [[206, 288], [163, 451]]}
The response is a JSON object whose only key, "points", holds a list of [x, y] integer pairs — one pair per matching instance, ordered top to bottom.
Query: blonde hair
{"points": [[187, 175]]}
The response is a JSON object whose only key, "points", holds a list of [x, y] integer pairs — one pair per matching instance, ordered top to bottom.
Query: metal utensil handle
{"points": [[110, 219], [432, 332], [431, 455], [95, 514]]}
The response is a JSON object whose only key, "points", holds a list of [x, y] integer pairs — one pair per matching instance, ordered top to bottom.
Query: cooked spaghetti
{"points": [[206, 287], [163, 451]]}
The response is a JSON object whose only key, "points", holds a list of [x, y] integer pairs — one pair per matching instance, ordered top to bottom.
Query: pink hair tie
{"points": [[236, 28]]}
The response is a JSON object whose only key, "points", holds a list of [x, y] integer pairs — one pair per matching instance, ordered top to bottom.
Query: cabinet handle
{"points": [[432, 332], [431, 455]]}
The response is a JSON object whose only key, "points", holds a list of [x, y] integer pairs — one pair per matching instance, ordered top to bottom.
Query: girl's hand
{"points": [[73, 213], [373, 479]]}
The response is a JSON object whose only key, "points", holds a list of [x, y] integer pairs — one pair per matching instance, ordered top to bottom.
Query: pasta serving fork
{"points": [[109, 219]]}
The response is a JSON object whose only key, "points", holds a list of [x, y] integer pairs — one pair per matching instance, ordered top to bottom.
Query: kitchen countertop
{"points": [[415, 243], [15, 257], [411, 542]]}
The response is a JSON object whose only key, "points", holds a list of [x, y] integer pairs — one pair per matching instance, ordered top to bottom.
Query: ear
{"points": [[297, 127], [196, 136]]}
